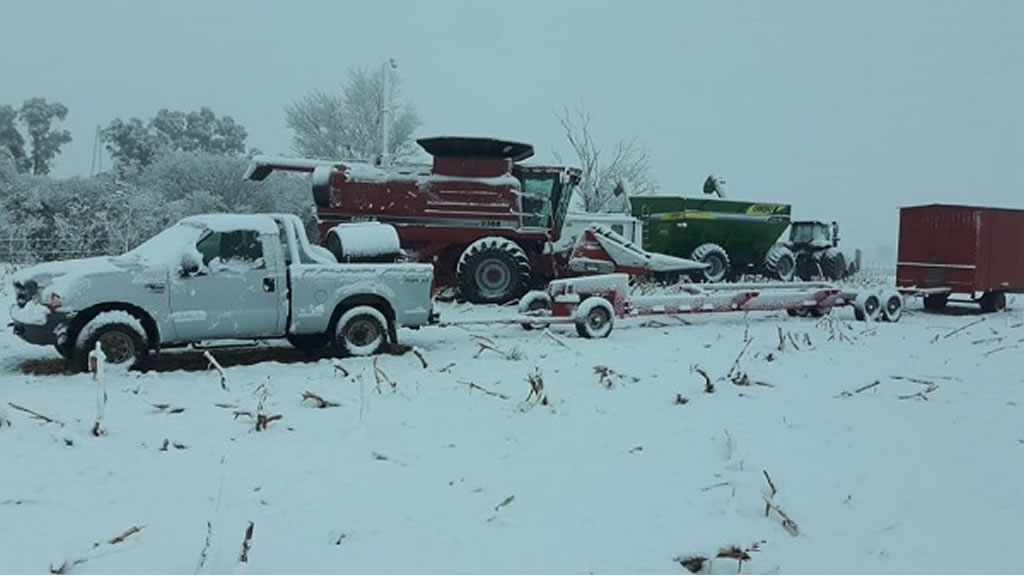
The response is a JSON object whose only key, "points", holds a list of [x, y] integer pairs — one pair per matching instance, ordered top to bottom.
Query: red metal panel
{"points": [[937, 247], [966, 248], [1000, 250]]}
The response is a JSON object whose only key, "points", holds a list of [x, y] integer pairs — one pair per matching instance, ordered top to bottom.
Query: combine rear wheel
{"points": [[493, 270]]}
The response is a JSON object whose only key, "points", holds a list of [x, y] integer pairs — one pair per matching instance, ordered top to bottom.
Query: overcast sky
{"points": [[847, 110]]}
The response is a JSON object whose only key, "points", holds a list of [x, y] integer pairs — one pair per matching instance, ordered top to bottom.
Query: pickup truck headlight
{"points": [[52, 301]]}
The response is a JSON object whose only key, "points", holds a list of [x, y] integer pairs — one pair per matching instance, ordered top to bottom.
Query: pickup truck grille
{"points": [[23, 293]]}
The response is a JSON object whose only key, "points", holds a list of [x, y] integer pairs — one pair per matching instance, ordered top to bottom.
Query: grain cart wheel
{"points": [[718, 259], [780, 263], [833, 264], [493, 270], [534, 301], [993, 302], [892, 306], [867, 307], [594, 318], [361, 331], [120, 336]]}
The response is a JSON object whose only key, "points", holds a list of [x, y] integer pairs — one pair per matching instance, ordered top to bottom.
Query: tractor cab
{"points": [[813, 235]]}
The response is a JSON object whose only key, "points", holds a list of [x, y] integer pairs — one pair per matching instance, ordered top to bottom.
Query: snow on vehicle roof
{"points": [[230, 222]]}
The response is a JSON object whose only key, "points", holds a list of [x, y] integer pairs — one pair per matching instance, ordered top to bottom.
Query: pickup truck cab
{"points": [[219, 277]]}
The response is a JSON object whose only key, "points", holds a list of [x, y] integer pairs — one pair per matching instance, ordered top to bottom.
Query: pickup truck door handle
{"points": [[268, 284], [156, 287]]}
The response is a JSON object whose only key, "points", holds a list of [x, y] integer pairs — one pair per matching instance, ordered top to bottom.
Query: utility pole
{"points": [[386, 68], [97, 154]]}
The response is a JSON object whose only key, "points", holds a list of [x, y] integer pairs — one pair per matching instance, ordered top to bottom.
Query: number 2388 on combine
{"points": [[492, 227]]}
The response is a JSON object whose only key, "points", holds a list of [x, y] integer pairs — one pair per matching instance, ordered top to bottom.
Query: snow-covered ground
{"points": [[444, 464]]}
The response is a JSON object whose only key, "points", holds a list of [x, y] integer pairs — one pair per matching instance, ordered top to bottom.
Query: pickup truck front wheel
{"points": [[361, 331], [121, 343]]}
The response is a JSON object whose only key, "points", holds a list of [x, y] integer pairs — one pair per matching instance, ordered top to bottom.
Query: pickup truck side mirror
{"points": [[189, 267]]}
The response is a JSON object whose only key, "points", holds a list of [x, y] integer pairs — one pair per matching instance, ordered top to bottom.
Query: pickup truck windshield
{"points": [[167, 246]]}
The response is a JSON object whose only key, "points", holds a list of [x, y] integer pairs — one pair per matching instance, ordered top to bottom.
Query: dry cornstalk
{"points": [[419, 355], [220, 369], [379, 376], [474, 386], [709, 388], [864, 388], [320, 402], [35, 414], [243, 557]]}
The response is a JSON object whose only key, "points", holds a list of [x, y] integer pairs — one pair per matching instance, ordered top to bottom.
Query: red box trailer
{"points": [[949, 249]]}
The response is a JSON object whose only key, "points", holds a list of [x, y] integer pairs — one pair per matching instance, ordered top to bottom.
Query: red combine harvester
{"points": [[490, 225], [949, 249]]}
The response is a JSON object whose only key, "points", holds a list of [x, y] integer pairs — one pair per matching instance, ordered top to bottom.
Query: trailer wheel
{"points": [[718, 259], [780, 263], [493, 270], [534, 301], [936, 302], [993, 302], [892, 306], [867, 307], [594, 318], [361, 331]]}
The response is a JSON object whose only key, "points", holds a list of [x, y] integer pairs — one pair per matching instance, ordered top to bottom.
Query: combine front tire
{"points": [[716, 257], [780, 263], [493, 270], [594, 318]]}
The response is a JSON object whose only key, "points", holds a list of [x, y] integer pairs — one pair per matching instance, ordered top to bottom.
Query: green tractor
{"points": [[732, 236], [811, 251]]}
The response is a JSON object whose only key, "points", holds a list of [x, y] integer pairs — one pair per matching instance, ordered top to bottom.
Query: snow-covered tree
{"points": [[349, 125], [46, 141], [12, 143], [134, 144], [606, 181]]}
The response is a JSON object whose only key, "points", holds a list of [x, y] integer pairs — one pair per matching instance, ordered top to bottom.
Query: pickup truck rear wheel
{"points": [[361, 331], [122, 345]]}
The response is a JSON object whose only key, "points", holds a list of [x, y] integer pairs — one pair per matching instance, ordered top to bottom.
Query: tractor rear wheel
{"points": [[718, 259], [780, 263], [833, 265], [806, 266], [493, 270]]}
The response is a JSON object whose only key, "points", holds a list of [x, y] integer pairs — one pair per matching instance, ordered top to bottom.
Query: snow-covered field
{"points": [[445, 465]]}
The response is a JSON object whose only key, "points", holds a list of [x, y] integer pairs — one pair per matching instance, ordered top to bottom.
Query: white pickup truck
{"points": [[219, 277]]}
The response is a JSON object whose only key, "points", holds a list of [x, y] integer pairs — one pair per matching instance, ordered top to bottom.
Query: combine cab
{"points": [[492, 227]]}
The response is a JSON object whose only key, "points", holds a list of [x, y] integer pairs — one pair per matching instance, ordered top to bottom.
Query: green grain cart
{"points": [[733, 236]]}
